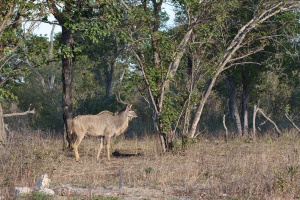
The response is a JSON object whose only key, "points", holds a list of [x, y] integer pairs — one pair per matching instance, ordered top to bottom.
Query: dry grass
{"points": [[209, 169]]}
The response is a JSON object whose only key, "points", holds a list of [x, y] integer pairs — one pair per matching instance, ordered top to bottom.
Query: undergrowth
{"points": [[209, 168]]}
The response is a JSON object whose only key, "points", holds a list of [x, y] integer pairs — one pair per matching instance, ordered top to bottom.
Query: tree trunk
{"points": [[63, 17], [67, 80], [189, 87], [203, 100], [245, 101], [233, 106], [254, 122], [226, 129], [161, 135], [3, 136]]}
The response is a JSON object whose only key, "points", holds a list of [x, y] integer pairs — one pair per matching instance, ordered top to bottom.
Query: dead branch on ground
{"points": [[20, 114]]}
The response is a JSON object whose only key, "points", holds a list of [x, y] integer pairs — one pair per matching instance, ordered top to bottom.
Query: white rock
{"points": [[42, 182], [22, 190], [47, 191]]}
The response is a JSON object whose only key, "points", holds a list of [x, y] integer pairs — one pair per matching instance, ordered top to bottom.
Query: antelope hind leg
{"points": [[101, 146], [108, 148]]}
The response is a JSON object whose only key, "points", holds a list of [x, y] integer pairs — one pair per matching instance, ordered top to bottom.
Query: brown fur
{"points": [[105, 124]]}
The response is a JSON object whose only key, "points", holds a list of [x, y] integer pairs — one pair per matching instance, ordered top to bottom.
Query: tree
{"points": [[13, 14], [91, 18], [210, 38], [246, 42], [152, 51], [105, 54], [251, 78], [41, 86]]}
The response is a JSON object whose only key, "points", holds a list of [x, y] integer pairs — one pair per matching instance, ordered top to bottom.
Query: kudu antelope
{"points": [[105, 124]]}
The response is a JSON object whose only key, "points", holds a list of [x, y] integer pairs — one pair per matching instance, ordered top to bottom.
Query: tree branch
{"points": [[125, 5], [55, 11], [248, 54], [242, 63], [142, 67], [20, 114], [286, 115], [265, 116]]}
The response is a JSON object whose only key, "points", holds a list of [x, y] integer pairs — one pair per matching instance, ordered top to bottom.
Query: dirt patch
{"points": [[124, 193]]}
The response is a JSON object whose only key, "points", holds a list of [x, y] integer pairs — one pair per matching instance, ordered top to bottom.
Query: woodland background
{"points": [[218, 58]]}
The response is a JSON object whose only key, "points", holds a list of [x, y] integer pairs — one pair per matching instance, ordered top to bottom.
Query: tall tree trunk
{"points": [[63, 17], [157, 64], [67, 81], [203, 100], [245, 101], [233, 106], [187, 115], [254, 121], [162, 137]]}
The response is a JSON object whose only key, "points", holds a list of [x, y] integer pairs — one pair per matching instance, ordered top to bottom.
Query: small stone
{"points": [[22, 190], [47, 191]]}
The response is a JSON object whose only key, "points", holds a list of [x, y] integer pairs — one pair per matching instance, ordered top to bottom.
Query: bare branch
{"points": [[125, 5], [55, 11], [46, 22], [240, 36], [248, 54], [7, 61], [242, 63], [142, 67], [36, 72], [5, 80], [20, 114], [286, 115], [265, 116]]}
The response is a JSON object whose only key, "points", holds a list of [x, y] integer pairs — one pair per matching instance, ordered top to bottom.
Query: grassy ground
{"points": [[209, 169]]}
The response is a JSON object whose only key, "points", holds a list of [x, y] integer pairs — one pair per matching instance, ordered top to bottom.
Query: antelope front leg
{"points": [[76, 144], [101, 146], [76, 153]]}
